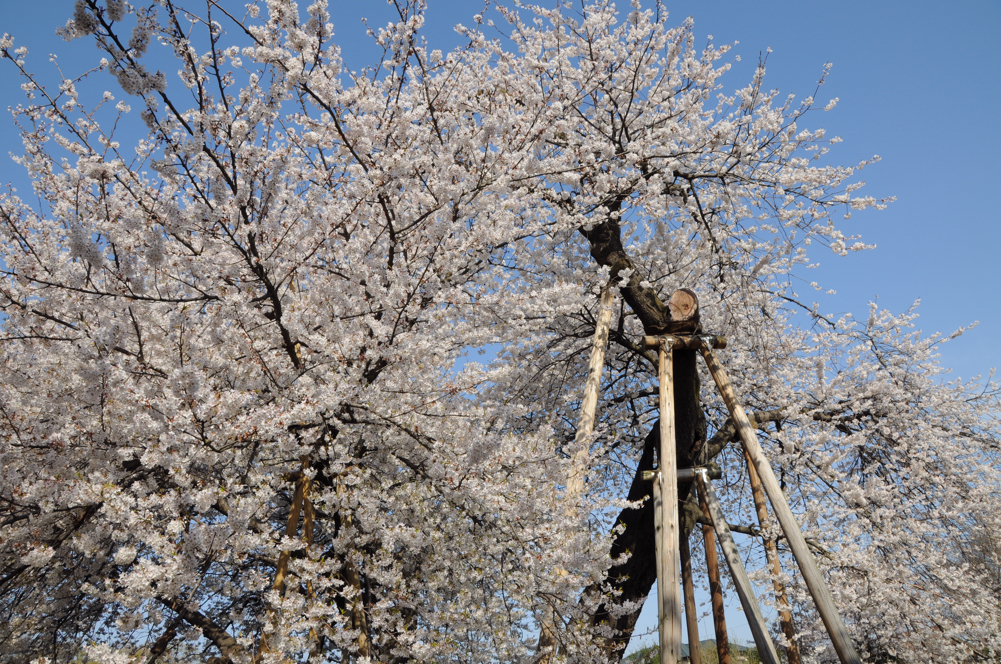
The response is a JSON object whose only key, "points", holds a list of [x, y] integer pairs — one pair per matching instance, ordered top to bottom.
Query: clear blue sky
{"points": [[918, 83]]}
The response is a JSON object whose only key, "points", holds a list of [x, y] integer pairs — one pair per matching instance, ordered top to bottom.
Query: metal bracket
{"points": [[690, 342], [686, 474]]}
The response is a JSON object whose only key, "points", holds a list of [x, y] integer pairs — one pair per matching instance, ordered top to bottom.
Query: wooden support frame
{"points": [[685, 341], [589, 405], [578, 464], [666, 525], [794, 536], [671, 550], [772, 554], [715, 588], [745, 591], [691, 613]]}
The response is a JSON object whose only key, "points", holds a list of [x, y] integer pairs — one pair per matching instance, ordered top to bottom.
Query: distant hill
{"points": [[651, 654]]}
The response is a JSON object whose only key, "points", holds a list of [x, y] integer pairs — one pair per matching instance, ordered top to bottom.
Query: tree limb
{"points": [[229, 647]]}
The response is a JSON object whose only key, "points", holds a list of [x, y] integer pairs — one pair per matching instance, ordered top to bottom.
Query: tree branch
{"points": [[222, 640]]}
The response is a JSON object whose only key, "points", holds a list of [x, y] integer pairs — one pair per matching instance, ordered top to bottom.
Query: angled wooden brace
{"points": [[578, 462], [794, 536], [745, 591]]}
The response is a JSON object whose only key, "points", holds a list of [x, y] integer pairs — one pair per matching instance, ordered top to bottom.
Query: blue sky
{"points": [[918, 84]]}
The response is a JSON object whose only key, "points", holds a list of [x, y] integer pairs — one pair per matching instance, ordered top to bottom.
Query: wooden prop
{"points": [[589, 405], [578, 463], [299, 497], [666, 518], [291, 526], [797, 543], [772, 554], [715, 588], [745, 591], [691, 615], [358, 618], [667, 653]]}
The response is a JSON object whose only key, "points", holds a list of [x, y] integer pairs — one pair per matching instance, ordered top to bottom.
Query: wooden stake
{"points": [[589, 405], [578, 464], [666, 518], [308, 519], [291, 526], [797, 543], [772, 554], [715, 588], [745, 591], [691, 616], [667, 655]]}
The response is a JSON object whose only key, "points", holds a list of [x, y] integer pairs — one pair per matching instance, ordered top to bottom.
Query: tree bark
{"points": [[605, 241], [633, 578], [222, 640], [161, 644]]}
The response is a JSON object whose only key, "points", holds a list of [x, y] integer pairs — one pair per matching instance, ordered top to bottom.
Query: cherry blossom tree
{"points": [[235, 423]]}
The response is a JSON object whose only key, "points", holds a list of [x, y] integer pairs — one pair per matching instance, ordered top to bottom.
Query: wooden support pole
{"points": [[589, 404], [578, 463], [308, 519], [291, 526], [666, 526], [797, 543], [772, 554], [715, 588], [745, 591], [691, 613], [357, 615], [666, 652]]}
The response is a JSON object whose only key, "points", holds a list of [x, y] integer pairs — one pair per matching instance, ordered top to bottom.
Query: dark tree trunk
{"points": [[634, 577]]}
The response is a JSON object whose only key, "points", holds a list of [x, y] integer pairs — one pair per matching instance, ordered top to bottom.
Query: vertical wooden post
{"points": [[290, 527], [667, 527], [797, 543], [772, 554], [715, 588], [745, 591], [691, 615], [666, 652]]}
